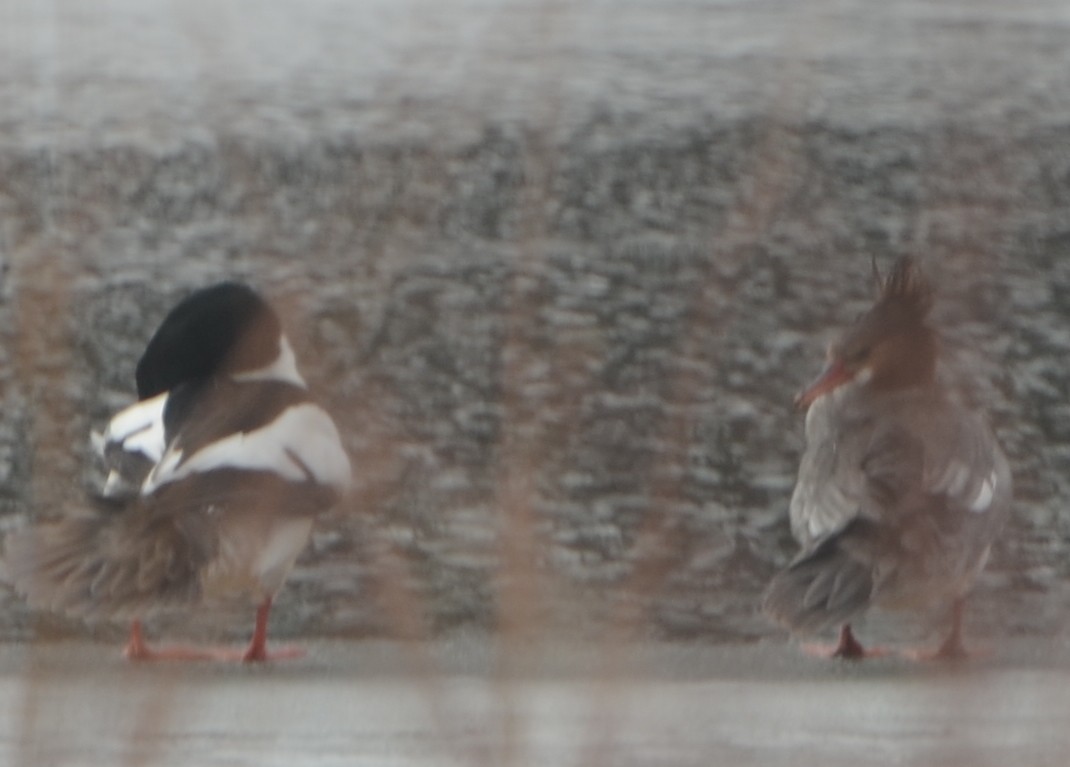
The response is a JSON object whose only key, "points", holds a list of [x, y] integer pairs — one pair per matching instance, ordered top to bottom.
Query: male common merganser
{"points": [[232, 461], [901, 490]]}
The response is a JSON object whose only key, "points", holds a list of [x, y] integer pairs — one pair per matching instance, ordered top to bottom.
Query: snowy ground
{"points": [[466, 702]]}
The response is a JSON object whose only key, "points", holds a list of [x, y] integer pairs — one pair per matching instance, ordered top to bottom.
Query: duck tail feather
{"points": [[105, 565], [827, 586]]}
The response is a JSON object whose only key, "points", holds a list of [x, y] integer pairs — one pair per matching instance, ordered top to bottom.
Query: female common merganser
{"points": [[232, 461], [901, 489]]}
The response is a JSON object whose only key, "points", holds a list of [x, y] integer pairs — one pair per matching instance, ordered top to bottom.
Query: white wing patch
{"points": [[136, 429], [302, 444], [953, 480], [957, 480], [985, 493], [829, 511]]}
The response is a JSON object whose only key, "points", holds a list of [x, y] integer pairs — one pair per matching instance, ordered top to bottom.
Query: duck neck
{"points": [[910, 361]]}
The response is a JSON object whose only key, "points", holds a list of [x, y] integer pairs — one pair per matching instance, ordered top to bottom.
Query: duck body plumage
{"points": [[217, 475], [902, 489], [899, 498]]}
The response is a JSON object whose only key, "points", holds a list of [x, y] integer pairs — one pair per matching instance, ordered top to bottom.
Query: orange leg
{"points": [[847, 648], [952, 648], [138, 650], [257, 650]]}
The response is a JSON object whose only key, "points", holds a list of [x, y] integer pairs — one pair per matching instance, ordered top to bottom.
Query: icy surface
{"points": [[652, 706]]}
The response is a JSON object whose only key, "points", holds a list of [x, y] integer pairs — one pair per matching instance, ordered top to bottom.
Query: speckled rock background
{"points": [[557, 269]]}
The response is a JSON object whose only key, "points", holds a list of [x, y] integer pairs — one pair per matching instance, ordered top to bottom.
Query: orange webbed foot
{"points": [[846, 648]]}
